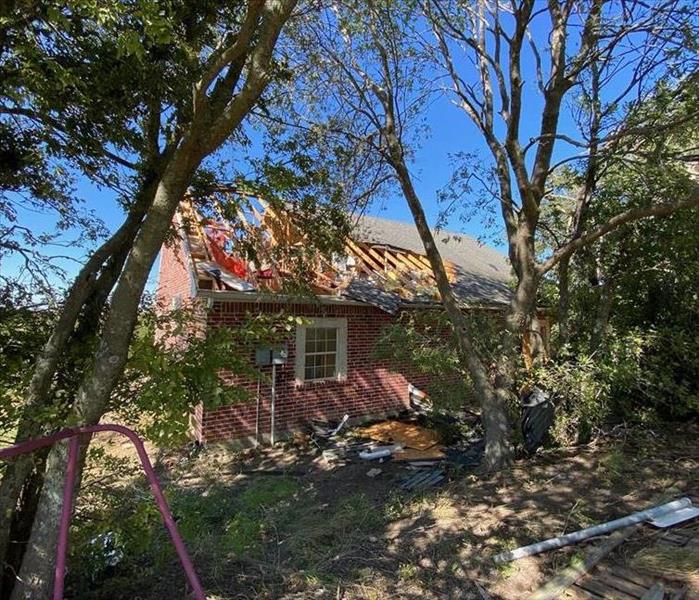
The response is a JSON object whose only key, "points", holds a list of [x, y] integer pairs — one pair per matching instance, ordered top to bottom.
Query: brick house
{"points": [[330, 369]]}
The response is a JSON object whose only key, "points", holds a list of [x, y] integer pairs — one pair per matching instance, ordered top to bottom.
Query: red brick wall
{"points": [[173, 274], [370, 387]]}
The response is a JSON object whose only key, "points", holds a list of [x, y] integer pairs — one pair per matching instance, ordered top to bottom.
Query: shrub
{"points": [[588, 388]]}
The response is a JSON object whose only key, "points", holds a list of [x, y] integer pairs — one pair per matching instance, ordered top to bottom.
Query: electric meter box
{"points": [[265, 357]]}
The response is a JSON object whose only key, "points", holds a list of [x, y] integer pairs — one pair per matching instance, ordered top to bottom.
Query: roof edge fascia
{"points": [[253, 297]]}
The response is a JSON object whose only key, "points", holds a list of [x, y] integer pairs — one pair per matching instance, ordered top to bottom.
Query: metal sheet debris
{"points": [[423, 479], [673, 518], [583, 534]]}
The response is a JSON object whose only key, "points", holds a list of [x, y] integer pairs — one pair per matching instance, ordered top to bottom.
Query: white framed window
{"points": [[321, 350]]}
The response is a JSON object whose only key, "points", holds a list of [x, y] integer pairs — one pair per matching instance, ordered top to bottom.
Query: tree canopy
{"points": [[577, 121]]}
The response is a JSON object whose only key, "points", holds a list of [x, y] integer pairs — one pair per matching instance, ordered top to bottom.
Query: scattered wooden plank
{"points": [[410, 454], [570, 575], [606, 576], [633, 576], [598, 587], [576, 593]]}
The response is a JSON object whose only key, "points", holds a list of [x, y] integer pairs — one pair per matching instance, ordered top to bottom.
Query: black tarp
{"points": [[538, 413]]}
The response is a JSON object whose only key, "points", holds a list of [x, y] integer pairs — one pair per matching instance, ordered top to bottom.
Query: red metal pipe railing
{"points": [[74, 435], [66, 515]]}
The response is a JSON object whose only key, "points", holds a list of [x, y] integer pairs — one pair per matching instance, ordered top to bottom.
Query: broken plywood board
{"points": [[407, 434], [410, 454]]}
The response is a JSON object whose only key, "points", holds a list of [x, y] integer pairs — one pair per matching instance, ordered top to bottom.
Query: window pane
{"points": [[311, 339], [330, 340], [320, 353]]}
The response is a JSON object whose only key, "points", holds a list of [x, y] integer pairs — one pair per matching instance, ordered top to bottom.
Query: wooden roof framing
{"points": [[277, 238]]}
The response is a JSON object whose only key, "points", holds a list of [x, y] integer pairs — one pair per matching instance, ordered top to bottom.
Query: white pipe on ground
{"points": [[583, 534]]}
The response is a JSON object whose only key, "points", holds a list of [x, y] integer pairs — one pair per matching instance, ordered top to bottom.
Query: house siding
{"points": [[371, 387]]}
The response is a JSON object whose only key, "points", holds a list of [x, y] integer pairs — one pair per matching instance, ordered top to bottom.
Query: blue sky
{"points": [[449, 127]]}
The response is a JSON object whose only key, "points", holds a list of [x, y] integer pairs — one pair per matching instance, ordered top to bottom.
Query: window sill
{"points": [[320, 382]]}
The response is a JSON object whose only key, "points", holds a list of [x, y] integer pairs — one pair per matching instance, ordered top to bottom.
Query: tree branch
{"points": [[634, 214]]}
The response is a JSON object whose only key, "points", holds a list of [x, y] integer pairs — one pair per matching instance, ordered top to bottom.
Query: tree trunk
{"points": [[211, 124], [87, 283], [79, 292], [563, 302], [604, 310], [521, 319], [498, 447], [22, 488], [20, 522], [36, 574]]}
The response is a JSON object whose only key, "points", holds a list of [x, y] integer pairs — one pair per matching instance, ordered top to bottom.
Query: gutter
{"points": [[257, 297], [495, 306]]}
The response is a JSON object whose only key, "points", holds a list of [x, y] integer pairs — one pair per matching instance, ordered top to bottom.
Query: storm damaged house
{"points": [[329, 368]]}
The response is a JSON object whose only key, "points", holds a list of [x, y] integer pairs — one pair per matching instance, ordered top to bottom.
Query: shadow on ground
{"points": [[282, 523]]}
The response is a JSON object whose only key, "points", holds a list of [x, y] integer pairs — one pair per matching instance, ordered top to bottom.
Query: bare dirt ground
{"points": [[283, 523]]}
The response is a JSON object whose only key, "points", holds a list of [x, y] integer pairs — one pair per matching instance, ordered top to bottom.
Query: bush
{"points": [[669, 378], [588, 388]]}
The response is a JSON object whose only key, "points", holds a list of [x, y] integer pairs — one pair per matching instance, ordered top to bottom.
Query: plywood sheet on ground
{"points": [[397, 432], [434, 453]]}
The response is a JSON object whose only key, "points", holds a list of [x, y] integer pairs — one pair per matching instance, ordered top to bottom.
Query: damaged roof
{"points": [[384, 263], [482, 274]]}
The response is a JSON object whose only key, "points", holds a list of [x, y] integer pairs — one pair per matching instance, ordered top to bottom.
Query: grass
{"points": [[613, 465], [214, 523], [228, 523], [338, 532], [315, 540], [673, 562], [408, 571]]}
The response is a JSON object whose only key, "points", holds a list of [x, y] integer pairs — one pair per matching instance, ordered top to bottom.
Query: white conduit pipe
{"points": [[583, 534]]}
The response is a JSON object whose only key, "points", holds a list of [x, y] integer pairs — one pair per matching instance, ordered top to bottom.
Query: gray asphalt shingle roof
{"points": [[482, 273]]}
